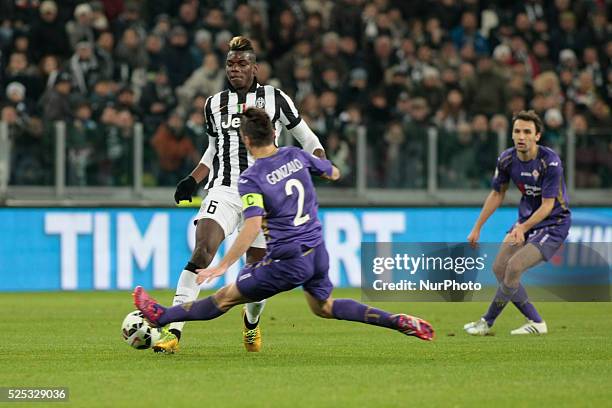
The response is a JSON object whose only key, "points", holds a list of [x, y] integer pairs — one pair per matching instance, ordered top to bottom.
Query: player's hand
{"points": [[185, 189], [517, 235], [474, 237], [208, 274]]}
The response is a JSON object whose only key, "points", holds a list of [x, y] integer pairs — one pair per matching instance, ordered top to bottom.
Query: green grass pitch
{"points": [[74, 340]]}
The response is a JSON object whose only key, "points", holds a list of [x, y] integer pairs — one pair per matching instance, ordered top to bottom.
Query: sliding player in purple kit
{"points": [[278, 196], [543, 225]]}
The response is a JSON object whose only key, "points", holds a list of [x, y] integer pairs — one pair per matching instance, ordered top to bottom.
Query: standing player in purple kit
{"points": [[278, 196], [543, 225]]}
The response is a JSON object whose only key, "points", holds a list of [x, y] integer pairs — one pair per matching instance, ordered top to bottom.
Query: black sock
{"points": [[249, 325], [176, 332]]}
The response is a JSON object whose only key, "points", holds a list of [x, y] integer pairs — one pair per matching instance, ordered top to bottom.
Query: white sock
{"points": [[187, 290], [253, 310]]}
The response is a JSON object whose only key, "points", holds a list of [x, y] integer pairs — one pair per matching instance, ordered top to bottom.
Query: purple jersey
{"points": [[539, 178], [280, 189]]}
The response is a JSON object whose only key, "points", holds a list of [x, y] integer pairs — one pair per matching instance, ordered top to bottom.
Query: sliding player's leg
{"points": [[318, 290], [205, 309]]}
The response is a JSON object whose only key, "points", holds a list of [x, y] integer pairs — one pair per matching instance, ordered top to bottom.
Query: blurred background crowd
{"points": [[395, 70]]}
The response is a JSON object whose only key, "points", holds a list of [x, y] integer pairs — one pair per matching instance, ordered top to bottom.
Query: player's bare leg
{"points": [[209, 236], [349, 309], [251, 332]]}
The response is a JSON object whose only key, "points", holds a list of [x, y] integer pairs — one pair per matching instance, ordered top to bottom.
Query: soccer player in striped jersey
{"points": [[222, 163], [278, 195], [543, 224]]}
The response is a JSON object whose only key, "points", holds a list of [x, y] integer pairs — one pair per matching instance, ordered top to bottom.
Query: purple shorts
{"points": [[547, 239], [271, 276]]}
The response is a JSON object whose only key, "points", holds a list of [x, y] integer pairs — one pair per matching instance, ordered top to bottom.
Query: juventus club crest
{"points": [[260, 103]]}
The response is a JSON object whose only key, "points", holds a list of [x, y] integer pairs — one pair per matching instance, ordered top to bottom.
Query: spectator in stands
{"points": [[81, 29], [467, 34], [48, 35], [284, 35], [567, 36], [202, 45], [154, 46], [103, 50], [130, 54], [329, 56], [177, 57], [382, 58], [84, 67], [20, 70], [49, 70], [207, 80], [431, 88], [486, 92], [16, 96], [126, 99], [157, 99], [56, 101], [452, 113], [195, 130], [553, 135], [394, 138], [81, 141], [415, 146], [175, 151], [339, 152], [115, 153]]}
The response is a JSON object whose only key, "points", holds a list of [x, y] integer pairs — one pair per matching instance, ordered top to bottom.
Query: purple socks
{"points": [[502, 297], [519, 298], [522, 303], [204, 309], [348, 309]]}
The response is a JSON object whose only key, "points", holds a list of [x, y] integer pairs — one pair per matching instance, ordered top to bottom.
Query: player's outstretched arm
{"points": [[492, 203], [247, 235]]}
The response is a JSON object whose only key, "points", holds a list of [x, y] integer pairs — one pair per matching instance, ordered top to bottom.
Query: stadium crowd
{"points": [[394, 69]]}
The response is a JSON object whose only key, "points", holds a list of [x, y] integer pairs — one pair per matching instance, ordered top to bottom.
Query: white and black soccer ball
{"points": [[137, 332]]}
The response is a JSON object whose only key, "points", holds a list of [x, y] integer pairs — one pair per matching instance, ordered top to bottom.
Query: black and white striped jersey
{"points": [[223, 110]]}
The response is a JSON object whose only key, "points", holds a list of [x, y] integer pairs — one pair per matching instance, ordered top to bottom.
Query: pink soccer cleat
{"points": [[149, 307], [414, 326]]}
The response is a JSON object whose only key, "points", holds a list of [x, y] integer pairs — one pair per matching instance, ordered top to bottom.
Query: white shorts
{"points": [[225, 208]]}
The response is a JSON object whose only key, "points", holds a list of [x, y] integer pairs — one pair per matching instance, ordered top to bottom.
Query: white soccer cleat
{"points": [[531, 327], [477, 328]]}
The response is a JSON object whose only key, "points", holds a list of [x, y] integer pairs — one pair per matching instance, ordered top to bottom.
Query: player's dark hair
{"points": [[240, 43], [529, 116], [256, 125]]}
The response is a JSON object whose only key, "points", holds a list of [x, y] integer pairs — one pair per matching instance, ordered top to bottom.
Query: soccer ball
{"points": [[137, 332]]}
